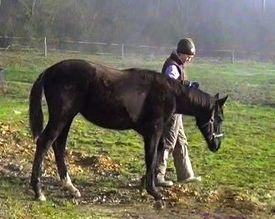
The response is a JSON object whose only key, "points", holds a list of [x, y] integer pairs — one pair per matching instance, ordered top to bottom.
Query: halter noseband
{"points": [[211, 122]]}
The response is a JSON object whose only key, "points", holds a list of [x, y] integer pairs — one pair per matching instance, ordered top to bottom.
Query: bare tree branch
{"points": [[33, 7]]}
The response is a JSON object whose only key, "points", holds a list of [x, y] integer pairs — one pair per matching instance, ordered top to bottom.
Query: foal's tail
{"points": [[35, 107]]}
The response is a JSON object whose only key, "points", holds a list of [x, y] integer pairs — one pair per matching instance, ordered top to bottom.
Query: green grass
{"points": [[250, 83], [245, 162], [17, 205]]}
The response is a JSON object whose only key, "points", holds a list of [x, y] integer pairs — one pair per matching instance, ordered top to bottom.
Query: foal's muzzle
{"points": [[214, 135], [213, 138]]}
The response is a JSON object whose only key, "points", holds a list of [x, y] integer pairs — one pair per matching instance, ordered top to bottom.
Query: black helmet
{"points": [[186, 46]]}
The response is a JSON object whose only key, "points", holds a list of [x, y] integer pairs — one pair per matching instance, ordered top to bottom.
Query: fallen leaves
{"points": [[20, 150], [17, 152], [101, 164]]}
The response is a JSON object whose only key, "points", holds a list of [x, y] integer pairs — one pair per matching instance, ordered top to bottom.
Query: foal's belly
{"points": [[108, 117]]}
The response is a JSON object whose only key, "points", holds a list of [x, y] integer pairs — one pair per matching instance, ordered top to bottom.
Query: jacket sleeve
{"points": [[172, 71]]}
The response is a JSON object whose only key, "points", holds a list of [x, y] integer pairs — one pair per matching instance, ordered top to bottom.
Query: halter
{"points": [[211, 122]]}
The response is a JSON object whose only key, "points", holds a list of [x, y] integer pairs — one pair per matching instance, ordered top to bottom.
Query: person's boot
{"points": [[190, 179], [160, 181]]}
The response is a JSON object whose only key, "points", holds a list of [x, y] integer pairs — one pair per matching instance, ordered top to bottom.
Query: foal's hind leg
{"points": [[43, 143], [151, 143], [59, 151]]}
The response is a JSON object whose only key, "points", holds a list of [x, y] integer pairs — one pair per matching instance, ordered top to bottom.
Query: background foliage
{"points": [[213, 24]]}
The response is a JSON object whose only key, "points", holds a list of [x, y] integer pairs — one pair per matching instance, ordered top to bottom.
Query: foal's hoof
{"points": [[142, 185], [76, 193], [41, 197], [159, 204]]}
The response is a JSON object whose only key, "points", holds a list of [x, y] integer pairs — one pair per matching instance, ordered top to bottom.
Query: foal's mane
{"points": [[147, 74], [151, 75], [195, 96], [198, 97]]}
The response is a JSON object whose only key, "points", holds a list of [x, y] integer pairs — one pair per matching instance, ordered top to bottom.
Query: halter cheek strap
{"points": [[211, 123]]}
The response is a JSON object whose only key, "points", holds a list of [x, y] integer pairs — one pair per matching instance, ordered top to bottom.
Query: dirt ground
{"points": [[126, 200]]}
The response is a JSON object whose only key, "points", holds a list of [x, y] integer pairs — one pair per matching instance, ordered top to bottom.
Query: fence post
{"points": [[45, 47], [122, 50], [233, 56], [3, 85]]}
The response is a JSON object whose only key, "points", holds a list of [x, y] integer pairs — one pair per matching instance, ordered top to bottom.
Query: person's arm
{"points": [[172, 71]]}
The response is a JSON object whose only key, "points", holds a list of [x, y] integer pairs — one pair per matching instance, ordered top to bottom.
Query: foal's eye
{"points": [[219, 119]]}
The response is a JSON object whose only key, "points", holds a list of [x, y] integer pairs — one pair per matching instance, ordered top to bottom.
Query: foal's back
{"points": [[87, 75]]}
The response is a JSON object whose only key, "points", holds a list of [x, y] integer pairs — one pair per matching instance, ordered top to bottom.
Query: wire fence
{"points": [[47, 45], [103, 48]]}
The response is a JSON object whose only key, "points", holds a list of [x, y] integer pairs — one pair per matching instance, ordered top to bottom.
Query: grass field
{"points": [[106, 165]]}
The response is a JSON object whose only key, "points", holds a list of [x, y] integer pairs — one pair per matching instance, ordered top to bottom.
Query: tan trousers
{"points": [[175, 142]]}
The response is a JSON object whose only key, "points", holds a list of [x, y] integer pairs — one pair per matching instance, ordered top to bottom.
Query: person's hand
{"points": [[186, 83], [194, 84]]}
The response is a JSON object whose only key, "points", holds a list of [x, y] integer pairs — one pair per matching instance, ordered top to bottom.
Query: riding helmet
{"points": [[186, 46]]}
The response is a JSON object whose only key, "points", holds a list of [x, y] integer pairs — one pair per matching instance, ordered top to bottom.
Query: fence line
{"points": [[49, 44], [120, 49]]}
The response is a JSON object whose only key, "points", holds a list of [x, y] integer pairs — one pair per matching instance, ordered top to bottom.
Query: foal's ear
{"points": [[217, 96], [222, 100]]}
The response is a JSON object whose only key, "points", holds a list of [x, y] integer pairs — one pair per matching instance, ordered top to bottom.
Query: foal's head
{"points": [[210, 124]]}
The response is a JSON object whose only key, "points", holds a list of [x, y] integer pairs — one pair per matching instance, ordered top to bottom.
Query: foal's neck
{"points": [[195, 102]]}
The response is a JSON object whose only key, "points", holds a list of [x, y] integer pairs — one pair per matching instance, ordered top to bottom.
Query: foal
{"points": [[137, 99]]}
